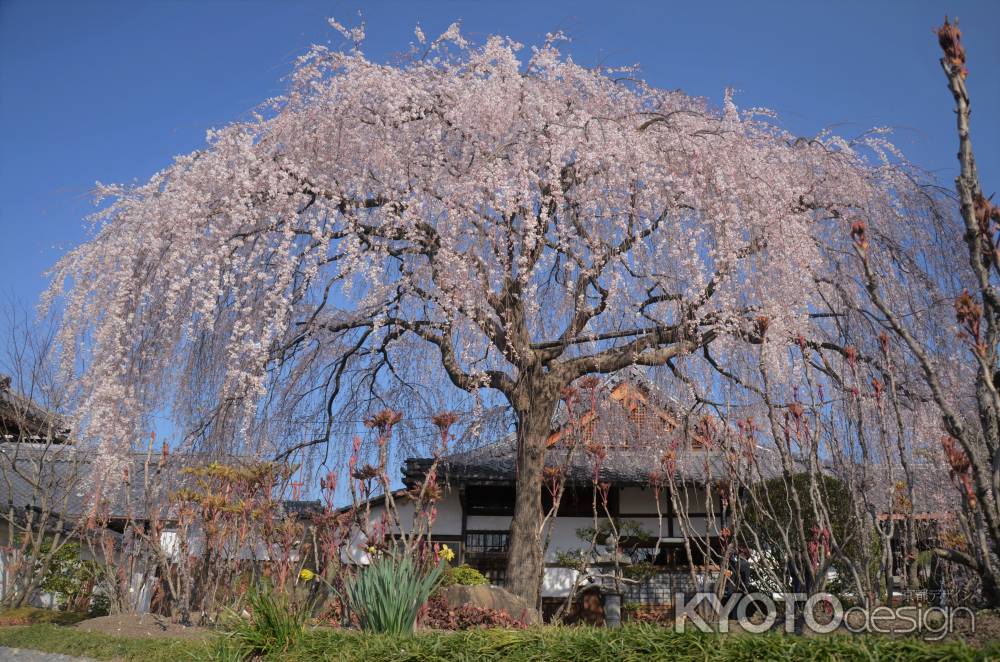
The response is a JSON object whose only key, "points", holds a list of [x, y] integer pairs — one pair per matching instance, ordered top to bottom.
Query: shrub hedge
{"points": [[636, 643], [629, 644]]}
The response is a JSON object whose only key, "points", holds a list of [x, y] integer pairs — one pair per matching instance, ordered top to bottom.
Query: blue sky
{"points": [[110, 91]]}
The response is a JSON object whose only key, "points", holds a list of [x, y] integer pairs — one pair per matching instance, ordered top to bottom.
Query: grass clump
{"points": [[386, 595], [274, 626]]}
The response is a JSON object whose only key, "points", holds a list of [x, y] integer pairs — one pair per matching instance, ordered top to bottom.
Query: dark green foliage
{"points": [[774, 494], [778, 509], [624, 529], [641, 571], [462, 575], [67, 576]]}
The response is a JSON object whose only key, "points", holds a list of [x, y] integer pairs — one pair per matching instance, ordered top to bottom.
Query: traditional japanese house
{"points": [[620, 454]]}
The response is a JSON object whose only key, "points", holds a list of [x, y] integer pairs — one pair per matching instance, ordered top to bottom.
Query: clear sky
{"points": [[111, 91]]}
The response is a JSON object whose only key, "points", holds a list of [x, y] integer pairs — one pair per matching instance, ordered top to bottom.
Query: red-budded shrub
{"points": [[651, 614], [439, 616]]}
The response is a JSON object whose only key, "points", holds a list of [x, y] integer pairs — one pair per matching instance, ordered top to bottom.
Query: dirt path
{"points": [[141, 626], [22, 655]]}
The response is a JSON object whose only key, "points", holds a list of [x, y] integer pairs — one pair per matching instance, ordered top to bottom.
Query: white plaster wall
{"points": [[693, 499], [642, 500], [633, 501], [449, 515], [448, 521], [488, 522], [654, 526], [698, 526], [564, 537], [254, 550], [356, 551], [558, 582]]}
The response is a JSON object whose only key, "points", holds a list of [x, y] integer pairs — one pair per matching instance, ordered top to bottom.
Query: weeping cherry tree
{"points": [[503, 217]]}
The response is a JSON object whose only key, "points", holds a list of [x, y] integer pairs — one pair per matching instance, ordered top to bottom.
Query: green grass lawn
{"points": [[70, 641], [629, 644]]}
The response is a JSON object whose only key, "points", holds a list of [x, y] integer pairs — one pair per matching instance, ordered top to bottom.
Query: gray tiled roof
{"points": [[22, 418], [621, 449], [621, 465], [66, 479]]}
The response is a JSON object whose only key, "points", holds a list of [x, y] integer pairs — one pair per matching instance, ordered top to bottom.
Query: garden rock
{"points": [[491, 597]]}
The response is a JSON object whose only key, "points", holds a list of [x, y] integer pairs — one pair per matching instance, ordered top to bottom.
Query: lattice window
{"points": [[487, 542], [486, 551]]}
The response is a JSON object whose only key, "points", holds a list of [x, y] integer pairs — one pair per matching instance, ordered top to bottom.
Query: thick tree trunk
{"points": [[525, 563]]}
